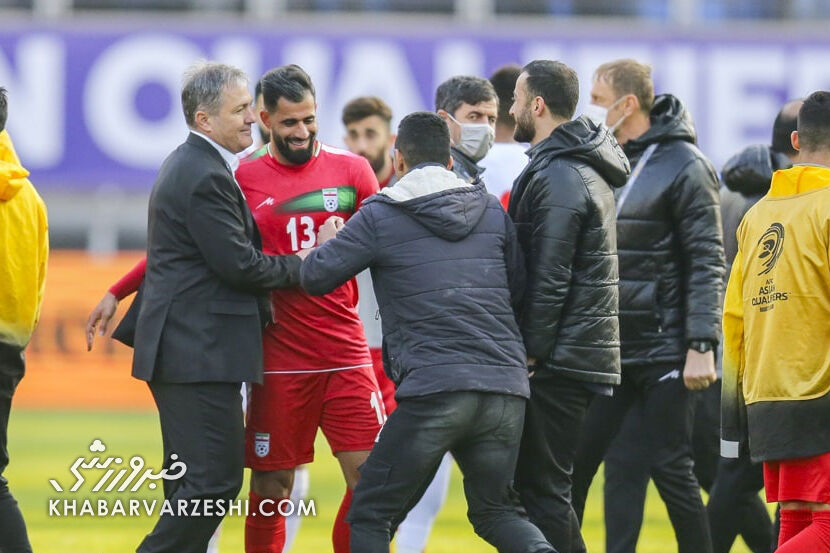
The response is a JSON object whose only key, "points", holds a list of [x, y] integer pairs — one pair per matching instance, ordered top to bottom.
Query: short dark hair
{"points": [[504, 80], [289, 82], [556, 83], [258, 89], [464, 89], [366, 106], [4, 108], [814, 122], [785, 123], [423, 137]]}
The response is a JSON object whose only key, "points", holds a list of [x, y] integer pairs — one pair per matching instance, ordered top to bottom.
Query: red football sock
{"points": [[793, 521], [340, 531], [264, 534], [815, 538]]}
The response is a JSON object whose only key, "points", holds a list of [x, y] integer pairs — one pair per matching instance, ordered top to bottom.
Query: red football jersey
{"points": [[289, 203]]}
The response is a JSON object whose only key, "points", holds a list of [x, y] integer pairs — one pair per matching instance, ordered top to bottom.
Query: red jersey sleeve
{"points": [[365, 182], [130, 282]]}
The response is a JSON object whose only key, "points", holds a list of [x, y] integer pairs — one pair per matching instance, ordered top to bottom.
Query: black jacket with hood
{"points": [[746, 179], [563, 208], [670, 244], [447, 272]]}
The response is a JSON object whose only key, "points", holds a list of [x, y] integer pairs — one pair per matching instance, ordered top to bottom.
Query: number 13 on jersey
{"points": [[306, 228]]}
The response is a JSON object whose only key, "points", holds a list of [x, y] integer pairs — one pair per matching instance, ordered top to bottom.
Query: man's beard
{"points": [[525, 130], [295, 157], [378, 162]]}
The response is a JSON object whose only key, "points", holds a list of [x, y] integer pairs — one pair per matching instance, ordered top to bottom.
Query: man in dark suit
{"points": [[198, 334]]}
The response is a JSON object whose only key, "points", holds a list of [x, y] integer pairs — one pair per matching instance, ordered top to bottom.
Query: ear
{"points": [[631, 104], [539, 106], [444, 114], [265, 117], [202, 121], [794, 140], [400, 164], [450, 164]]}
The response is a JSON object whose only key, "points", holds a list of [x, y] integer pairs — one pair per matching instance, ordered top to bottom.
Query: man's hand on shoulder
{"points": [[329, 229]]}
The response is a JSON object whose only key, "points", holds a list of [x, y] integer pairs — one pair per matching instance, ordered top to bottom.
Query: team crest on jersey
{"points": [[330, 200], [262, 444]]}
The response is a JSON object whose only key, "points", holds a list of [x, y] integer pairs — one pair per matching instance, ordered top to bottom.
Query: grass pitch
{"points": [[44, 444]]}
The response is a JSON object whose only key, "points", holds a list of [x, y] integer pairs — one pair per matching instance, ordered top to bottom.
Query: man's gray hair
{"points": [[203, 85]]}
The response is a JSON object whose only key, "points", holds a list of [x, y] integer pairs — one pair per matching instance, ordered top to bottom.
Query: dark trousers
{"points": [[667, 412], [553, 420], [202, 424], [482, 431], [734, 506], [13, 536]]}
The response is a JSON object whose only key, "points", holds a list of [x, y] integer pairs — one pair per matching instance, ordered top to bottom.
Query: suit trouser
{"points": [[668, 411], [553, 420], [202, 424], [482, 431], [732, 484], [13, 536]]}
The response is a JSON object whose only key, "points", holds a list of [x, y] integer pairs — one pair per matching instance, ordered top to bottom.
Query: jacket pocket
{"points": [[230, 307], [391, 358]]}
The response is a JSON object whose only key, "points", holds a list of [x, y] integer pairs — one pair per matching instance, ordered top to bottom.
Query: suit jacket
{"points": [[200, 315]]}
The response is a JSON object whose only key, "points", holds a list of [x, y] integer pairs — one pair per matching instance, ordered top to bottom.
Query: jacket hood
{"points": [[669, 121], [582, 140], [749, 172], [12, 174], [798, 180], [438, 199]]}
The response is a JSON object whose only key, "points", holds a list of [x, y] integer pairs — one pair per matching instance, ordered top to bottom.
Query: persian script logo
{"points": [[772, 243], [111, 467]]}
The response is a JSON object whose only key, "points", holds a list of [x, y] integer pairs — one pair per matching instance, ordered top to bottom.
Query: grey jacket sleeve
{"points": [[695, 205], [559, 209], [215, 221], [341, 258]]}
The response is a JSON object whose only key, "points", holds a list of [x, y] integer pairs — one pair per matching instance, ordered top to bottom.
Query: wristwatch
{"points": [[700, 346]]}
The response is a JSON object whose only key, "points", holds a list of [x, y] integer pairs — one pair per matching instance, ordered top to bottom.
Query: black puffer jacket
{"points": [[746, 178], [563, 209], [670, 244], [447, 272]]}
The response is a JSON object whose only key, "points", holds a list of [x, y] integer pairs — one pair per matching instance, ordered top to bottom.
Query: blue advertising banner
{"points": [[92, 106]]}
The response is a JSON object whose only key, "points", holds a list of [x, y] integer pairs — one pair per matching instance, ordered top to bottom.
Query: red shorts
{"points": [[387, 387], [286, 410], [798, 479]]}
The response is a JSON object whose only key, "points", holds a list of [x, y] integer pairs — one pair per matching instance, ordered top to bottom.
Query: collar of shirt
{"points": [[230, 158]]}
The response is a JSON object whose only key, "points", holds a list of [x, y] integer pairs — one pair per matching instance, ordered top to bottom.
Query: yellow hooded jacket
{"points": [[24, 248], [776, 323]]}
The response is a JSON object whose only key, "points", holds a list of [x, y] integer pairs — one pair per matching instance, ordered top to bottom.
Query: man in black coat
{"points": [[563, 207], [447, 273], [671, 277], [198, 333]]}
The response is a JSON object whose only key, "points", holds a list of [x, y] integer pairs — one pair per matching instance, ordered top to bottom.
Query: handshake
{"points": [[325, 233]]}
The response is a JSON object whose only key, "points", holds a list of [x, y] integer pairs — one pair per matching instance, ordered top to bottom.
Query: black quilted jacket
{"points": [[563, 208], [670, 244]]}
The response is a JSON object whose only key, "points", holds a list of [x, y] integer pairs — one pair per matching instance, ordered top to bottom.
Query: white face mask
{"points": [[599, 115], [476, 139]]}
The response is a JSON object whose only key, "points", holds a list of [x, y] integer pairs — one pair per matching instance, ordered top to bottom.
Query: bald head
{"points": [[785, 123]]}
